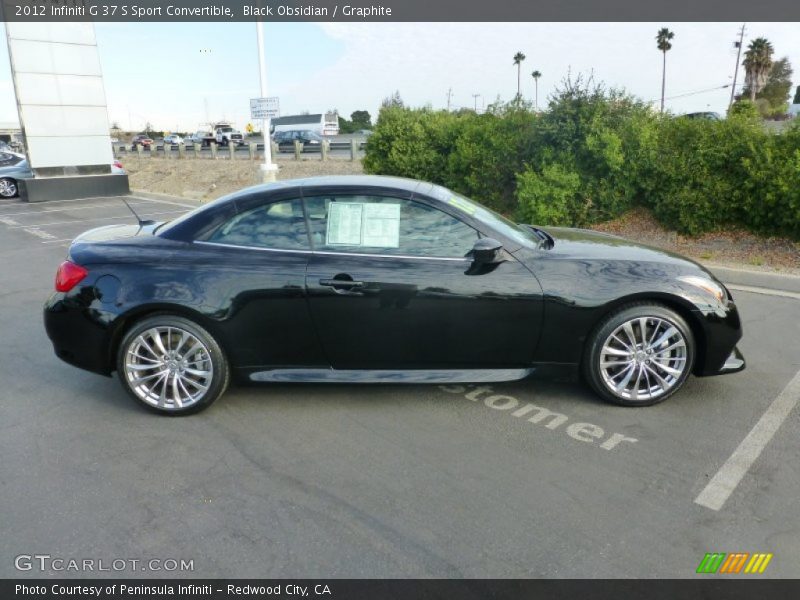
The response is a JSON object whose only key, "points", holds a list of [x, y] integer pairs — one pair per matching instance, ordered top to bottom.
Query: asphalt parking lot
{"points": [[385, 481]]}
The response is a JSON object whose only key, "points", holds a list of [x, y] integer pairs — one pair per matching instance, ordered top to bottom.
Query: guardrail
{"points": [[251, 150]]}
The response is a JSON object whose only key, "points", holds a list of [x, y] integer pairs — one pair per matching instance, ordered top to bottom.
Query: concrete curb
{"points": [[726, 274], [761, 279]]}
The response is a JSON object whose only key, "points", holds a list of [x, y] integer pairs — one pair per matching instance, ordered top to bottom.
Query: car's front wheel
{"points": [[8, 187], [640, 355], [172, 365]]}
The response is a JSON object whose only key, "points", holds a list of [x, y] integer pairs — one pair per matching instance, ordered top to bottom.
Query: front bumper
{"points": [[734, 363]]}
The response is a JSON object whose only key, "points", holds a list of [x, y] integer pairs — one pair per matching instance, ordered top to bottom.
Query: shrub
{"points": [[594, 154], [549, 198]]}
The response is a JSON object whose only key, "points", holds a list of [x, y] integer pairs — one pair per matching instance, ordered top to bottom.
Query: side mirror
{"points": [[487, 251]]}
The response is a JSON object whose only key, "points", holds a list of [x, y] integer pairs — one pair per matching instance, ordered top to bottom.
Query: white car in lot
{"points": [[173, 140], [14, 166]]}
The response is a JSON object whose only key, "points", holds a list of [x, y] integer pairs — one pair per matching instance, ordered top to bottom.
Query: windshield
{"points": [[518, 233]]}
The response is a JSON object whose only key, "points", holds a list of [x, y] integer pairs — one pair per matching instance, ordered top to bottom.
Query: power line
{"points": [[738, 45], [695, 93]]}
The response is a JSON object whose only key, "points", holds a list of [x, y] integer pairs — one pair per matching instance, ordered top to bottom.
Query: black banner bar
{"points": [[400, 10], [707, 587]]}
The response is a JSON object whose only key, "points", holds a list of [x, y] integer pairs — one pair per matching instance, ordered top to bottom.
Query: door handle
{"points": [[341, 283]]}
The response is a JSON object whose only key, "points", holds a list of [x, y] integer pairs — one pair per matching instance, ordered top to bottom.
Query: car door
{"points": [[252, 270], [390, 287]]}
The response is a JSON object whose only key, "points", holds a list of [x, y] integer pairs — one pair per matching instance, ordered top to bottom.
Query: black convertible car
{"points": [[379, 279]]}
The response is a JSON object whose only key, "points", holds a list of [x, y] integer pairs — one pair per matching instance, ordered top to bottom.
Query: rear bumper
{"points": [[80, 335]]}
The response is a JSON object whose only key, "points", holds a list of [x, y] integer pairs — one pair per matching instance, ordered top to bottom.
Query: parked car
{"points": [[703, 116], [200, 137], [141, 140], [173, 140], [312, 141], [14, 167], [378, 279]]}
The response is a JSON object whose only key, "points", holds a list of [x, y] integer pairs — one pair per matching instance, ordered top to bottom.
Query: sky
{"points": [[177, 76]]}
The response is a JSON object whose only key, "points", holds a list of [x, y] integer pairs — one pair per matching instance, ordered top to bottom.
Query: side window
{"points": [[9, 160], [278, 225], [381, 225]]}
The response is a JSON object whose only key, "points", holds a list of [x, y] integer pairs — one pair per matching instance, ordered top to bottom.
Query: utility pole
{"points": [[738, 45], [449, 95], [475, 98], [268, 169]]}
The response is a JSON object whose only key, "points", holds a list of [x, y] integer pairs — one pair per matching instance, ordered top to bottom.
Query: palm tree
{"points": [[663, 42], [518, 58], [757, 65], [536, 75]]}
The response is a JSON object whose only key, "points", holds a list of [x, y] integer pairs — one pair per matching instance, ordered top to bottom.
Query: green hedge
{"points": [[593, 155]]}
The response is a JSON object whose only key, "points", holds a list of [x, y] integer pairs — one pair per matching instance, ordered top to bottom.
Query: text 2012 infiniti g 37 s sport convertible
{"points": [[379, 279]]}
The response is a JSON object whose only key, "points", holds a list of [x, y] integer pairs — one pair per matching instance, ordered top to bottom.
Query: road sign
{"points": [[264, 108]]}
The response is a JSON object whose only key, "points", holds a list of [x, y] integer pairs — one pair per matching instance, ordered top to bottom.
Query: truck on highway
{"points": [[222, 133], [225, 135]]}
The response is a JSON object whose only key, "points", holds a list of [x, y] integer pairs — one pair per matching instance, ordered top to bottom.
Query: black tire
{"points": [[8, 188], [209, 351], [641, 360]]}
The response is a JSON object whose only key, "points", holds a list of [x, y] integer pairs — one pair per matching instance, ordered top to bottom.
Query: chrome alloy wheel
{"points": [[8, 189], [643, 359], [168, 367]]}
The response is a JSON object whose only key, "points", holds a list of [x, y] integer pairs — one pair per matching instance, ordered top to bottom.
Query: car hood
{"points": [[595, 245]]}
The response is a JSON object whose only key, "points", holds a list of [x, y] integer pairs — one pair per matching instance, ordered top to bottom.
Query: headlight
{"points": [[708, 285]]}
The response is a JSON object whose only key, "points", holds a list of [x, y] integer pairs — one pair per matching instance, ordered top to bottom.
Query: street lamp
{"points": [[268, 169]]}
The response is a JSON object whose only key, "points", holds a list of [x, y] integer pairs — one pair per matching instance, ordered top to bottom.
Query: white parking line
{"points": [[166, 202], [18, 203], [52, 210], [81, 221], [765, 291], [722, 485]]}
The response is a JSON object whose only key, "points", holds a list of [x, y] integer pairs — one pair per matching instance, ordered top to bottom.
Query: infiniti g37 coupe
{"points": [[379, 279]]}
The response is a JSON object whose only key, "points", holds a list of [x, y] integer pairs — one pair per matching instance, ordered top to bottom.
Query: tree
{"points": [[663, 43], [518, 58], [757, 65], [536, 75], [778, 87], [797, 96], [393, 101], [744, 109], [361, 119], [345, 126]]}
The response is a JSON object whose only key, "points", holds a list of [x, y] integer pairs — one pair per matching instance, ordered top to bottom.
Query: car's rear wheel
{"points": [[8, 187], [640, 355], [172, 365]]}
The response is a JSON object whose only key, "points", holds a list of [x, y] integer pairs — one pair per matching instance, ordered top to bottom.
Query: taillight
{"points": [[117, 164], [69, 275]]}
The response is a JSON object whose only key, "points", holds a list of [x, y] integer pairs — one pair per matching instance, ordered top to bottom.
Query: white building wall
{"points": [[60, 93]]}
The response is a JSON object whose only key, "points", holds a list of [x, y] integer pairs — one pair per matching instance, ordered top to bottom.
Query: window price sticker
{"points": [[360, 224]]}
